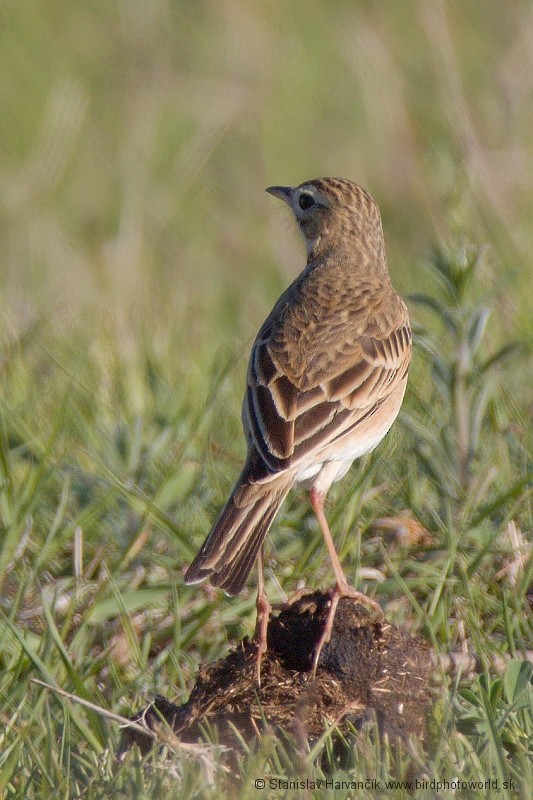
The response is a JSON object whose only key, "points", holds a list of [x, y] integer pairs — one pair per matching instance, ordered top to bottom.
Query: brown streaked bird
{"points": [[326, 379]]}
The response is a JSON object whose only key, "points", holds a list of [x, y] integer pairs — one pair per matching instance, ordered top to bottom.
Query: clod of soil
{"points": [[367, 667]]}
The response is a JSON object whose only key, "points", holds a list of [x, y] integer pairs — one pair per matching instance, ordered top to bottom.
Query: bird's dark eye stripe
{"points": [[305, 201]]}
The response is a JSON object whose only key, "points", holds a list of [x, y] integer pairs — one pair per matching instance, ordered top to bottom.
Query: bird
{"points": [[326, 379]]}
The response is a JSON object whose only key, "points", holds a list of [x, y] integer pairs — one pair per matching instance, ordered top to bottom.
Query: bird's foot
{"points": [[336, 594]]}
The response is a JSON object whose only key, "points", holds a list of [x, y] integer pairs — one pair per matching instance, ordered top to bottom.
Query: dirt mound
{"points": [[368, 670]]}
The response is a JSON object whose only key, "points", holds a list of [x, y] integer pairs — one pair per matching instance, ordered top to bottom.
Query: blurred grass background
{"points": [[139, 257]]}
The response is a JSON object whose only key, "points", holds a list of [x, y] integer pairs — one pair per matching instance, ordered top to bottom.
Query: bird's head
{"points": [[332, 211]]}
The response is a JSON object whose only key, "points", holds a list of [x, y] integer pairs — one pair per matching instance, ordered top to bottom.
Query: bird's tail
{"points": [[230, 550]]}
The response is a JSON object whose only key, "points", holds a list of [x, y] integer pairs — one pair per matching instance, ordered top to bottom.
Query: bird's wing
{"points": [[294, 406]]}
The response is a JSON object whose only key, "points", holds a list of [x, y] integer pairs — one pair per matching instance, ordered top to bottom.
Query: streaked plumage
{"points": [[326, 377]]}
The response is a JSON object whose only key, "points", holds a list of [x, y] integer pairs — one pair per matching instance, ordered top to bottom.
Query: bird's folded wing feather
{"points": [[288, 415]]}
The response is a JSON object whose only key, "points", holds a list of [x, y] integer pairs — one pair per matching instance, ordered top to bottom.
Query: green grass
{"points": [[139, 257]]}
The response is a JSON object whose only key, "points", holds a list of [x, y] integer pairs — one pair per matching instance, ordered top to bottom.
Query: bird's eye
{"points": [[305, 201]]}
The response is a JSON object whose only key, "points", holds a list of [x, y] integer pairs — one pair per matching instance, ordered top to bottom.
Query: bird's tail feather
{"points": [[229, 552]]}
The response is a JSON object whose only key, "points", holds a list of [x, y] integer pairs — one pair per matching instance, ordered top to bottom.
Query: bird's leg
{"points": [[342, 587], [263, 614]]}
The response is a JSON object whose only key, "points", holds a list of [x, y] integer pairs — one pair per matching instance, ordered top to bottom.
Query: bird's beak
{"points": [[283, 192]]}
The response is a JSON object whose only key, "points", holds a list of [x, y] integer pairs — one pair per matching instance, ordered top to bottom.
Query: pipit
{"points": [[326, 379]]}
